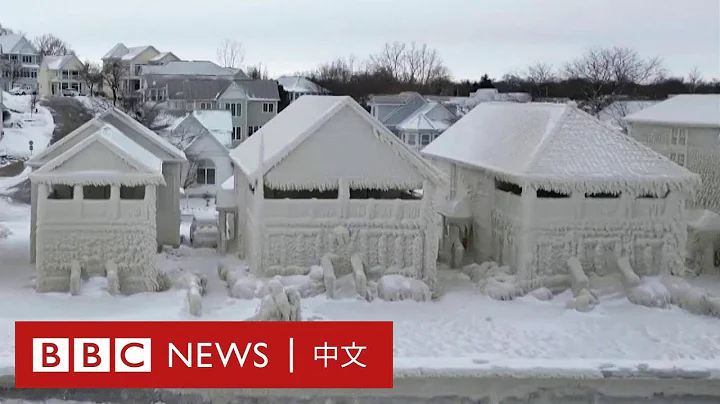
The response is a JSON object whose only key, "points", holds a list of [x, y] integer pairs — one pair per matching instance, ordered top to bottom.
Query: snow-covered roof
{"points": [[14, 43], [135, 51], [116, 52], [160, 56], [58, 62], [188, 68], [300, 84], [252, 89], [684, 109], [614, 113], [419, 120], [120, 121], [217, 122], [282, 134], [557, 147], [148, 166], [229, 183]]}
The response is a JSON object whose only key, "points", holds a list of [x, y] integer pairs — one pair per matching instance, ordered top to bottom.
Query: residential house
{"points": [[17, 49], [133, 59], [58, 73], [187, 85], [297, 86], [252, 104], [615, 113], [412, 117], [686, 129], [206, 138], [541, 183], [357, 194], [168, 195], [95, 202]]}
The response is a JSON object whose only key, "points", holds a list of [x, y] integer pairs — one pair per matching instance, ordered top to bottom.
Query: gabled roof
{"points": [[15, 43], [135, 51], [116, 52], [160, 56], [58, 62], [189, 68], [300, 84], [191, 88], [252, 90], [394, 99], [414, 102], [701, 110], [111, 116], [300, 120], [419, 120], [217, 123], [558, 147], [148, 166]]}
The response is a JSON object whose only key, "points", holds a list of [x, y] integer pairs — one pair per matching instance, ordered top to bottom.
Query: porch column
{"points": [[343, 197], [77, 199], [115, 199], [222, 244], [524, 256]]}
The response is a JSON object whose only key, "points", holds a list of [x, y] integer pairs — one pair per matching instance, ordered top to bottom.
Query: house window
{"points": [[27, 59], [268, 107], [234, 108], [252, 129], [237, 133], [679, 137], [411, 138], [424, 139], [681, 159], [205, 172], [508, 187], [60, 191], [96, 192], [136, 193], [271, 193], [372, 193], [546, 193], [602, 195]]}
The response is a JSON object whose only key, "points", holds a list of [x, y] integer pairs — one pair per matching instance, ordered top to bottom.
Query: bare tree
{"points": [[5, 30], [50, 45], [230, 53], [391, 59], [410, 63], [11, 70], [258, 72], [607, 73], [112, 74], [91, 75], [540, 76], [694, 79], [33, 102], [145, 112]]}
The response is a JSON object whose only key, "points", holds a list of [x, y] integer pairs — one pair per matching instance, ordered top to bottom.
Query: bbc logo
{"points": [[91, 355]]}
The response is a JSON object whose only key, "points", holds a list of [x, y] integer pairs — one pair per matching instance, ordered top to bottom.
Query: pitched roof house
{"points": [[18, 49], [134, 59], [58, 73], [412, 117], [206, 137], [362, 179], [551, 182], [94, 200], [168, 203]]}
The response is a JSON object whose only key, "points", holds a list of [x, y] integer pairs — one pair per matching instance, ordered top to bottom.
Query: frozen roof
{"points": [[12, 43], [161, 55], [57, 62], [188, 68], [300, 84], [191, 88], [253, 89], [684, 109], [300, 119], [218, 122], [558, 147], [148, 165]]}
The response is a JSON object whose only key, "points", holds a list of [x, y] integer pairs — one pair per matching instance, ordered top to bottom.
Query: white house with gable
{"points": [[206, 138], [325, 176], [540, 183], [96, 203], [167, 203]]}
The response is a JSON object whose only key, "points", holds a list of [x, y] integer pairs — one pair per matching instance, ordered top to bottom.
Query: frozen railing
{"points": [[367, 209], [69, 210]]}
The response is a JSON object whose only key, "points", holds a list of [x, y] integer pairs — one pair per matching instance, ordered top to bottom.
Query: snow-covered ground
{"points": [[97, 105], [37, 127], [463, 331]]}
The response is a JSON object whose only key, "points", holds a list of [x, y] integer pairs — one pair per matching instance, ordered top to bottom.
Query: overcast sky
{"points": [[472, 36]]}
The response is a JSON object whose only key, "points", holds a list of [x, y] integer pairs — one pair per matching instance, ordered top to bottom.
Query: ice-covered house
{"points": [[206, 137], [332, 179], [539, 183], [95, 204], [167, 214]]}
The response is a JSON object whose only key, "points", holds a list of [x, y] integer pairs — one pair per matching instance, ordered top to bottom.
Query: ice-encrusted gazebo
{"points": [[548, 182], [96, 204]]}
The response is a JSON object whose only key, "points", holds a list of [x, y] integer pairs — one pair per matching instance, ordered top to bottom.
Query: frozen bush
{"points": [[316, 273], [328, 273], [375, 273], [359, 274], [628, 276], [578, 277], [75, 278], [163, 282], [113, 283], [345, 287], [398, 287], [245, 288], [372, 291], [650, 293], [543, 294], [194, 298], [583, 301], [281, 304]]}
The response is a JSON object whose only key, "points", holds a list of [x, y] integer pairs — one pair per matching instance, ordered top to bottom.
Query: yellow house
{"points": [[133, 59], [59, 73]]}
